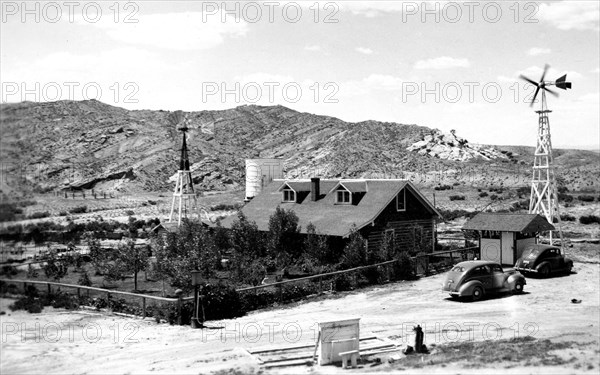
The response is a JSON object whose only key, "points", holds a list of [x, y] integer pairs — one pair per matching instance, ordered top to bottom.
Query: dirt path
{"points": [[89, 342]]}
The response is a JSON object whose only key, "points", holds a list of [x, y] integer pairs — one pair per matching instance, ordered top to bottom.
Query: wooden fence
{"points": [[423, 264]]}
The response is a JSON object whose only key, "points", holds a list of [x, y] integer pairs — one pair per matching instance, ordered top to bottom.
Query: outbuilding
{"points": [[504, 236]]}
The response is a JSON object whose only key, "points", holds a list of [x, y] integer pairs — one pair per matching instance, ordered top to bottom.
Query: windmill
{"points": [[184, 187], [544, 197]]}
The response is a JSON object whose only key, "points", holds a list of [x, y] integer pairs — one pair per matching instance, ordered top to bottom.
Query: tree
{"points": [[284, 236], [248, 245], [315, 245], [190, 248], [355, 251], [97, 256], [130, 259], [55, 268]]}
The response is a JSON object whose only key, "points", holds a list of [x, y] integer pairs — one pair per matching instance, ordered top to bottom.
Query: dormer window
{"points": [[289, 195], [343, 196], [401, 200]]}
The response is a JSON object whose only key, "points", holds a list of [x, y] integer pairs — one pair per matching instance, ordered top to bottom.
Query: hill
{"points": [[92, 145]]}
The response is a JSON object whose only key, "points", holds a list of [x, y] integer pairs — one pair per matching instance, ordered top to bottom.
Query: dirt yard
{"points": [[60, 342]]}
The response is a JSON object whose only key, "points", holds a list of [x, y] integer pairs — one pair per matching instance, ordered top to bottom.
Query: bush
{"points": [[442, 187], [483, 194], [457, 197], [493, 197], [565, 197], [586, 198], [78, 210], [63, 213], [39, 215], [450, 215], [567, 217], [589, 219], [403, 268]]}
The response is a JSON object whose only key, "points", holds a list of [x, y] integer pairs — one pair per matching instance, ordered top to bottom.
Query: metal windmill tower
{"points": [[184, 187], [544, 197]]}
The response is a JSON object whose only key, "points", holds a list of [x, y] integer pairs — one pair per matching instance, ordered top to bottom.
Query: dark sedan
{"points": [[543, 260], [476, 278]]}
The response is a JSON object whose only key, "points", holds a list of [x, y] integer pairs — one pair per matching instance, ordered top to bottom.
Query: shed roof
{"points": [[329, 218], [508, 222]]}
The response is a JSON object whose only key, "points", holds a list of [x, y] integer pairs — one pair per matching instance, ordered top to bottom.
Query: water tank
{"points": [[260, 172]]}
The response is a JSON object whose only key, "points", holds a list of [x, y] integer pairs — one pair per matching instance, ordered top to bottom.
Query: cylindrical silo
{"points": [[260, 172]]}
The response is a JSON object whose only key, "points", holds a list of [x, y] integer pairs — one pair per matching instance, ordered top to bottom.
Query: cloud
{"points": [[371, 9], [571, 15], [176, 31], [312, 48], [366, 51], [536, 51], [443, 62], [597, 70], [535, 73]]}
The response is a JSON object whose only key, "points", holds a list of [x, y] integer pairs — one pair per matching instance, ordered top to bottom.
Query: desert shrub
{"points": [[443, 187], [523, 190], [483, 194], [457, 197], [493, 197], [565, 197], [586, 198], [226, 207], [78, 210], [63, 213], [39, 215], [450, 215], [567, 217], [589, 219], [342, 282]]}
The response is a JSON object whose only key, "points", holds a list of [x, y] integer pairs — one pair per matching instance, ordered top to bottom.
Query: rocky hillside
{"points": [[91, 145]]}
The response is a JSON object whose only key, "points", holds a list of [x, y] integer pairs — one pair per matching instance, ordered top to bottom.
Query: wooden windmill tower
{"points": [[184, 197], [544, 197]]}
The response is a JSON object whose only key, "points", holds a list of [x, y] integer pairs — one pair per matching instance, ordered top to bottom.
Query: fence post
{"points": [[451, 259], [320, 285], [49, 288], [280, 290], [79, 294], [179, 294], [108, 299], [143, 307]]}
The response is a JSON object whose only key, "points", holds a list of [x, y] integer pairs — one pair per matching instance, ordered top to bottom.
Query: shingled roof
{"points": [[329, 218], [506, 222]]}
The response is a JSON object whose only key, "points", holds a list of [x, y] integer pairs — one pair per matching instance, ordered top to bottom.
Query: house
{"points": [[334, 207], [504, 236]]}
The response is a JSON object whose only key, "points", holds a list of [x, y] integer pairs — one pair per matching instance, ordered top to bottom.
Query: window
{"points": [[289, 195], [343, 197], [401, 201], [497, 269]]}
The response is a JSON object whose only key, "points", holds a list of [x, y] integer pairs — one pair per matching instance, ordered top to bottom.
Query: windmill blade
{"points": [[546, 67], [528, 80], [551, 92], [534, 96], [175, 118]]}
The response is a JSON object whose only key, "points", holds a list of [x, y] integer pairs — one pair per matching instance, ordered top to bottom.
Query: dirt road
{"points": [[57, 341]]}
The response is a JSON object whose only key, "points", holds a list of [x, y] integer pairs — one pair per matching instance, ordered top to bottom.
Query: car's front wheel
{"points": [[519, 287], [477, 293]]}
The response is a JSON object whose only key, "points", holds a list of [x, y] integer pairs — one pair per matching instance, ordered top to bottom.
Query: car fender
{"points": [[544, 263], [514, 278], [467, 288]]}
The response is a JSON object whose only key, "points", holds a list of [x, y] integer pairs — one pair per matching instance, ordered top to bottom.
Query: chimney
{"points": [[314, 189]]}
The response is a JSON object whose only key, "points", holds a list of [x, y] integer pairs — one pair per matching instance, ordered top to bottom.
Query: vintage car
{"points": [[543, 260], [476, 278]]}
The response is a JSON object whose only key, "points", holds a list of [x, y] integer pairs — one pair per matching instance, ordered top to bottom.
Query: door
{"points": [[507, 248], [482, 274], [498, 277]]}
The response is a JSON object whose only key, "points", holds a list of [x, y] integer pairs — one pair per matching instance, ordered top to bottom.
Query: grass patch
{"points": [[526, 351]]}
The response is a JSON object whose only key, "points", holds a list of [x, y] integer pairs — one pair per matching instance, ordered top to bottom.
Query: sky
{"points": [[445, 65]]}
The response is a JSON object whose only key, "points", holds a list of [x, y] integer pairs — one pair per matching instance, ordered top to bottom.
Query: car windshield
{"points": [[458, 269]]}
